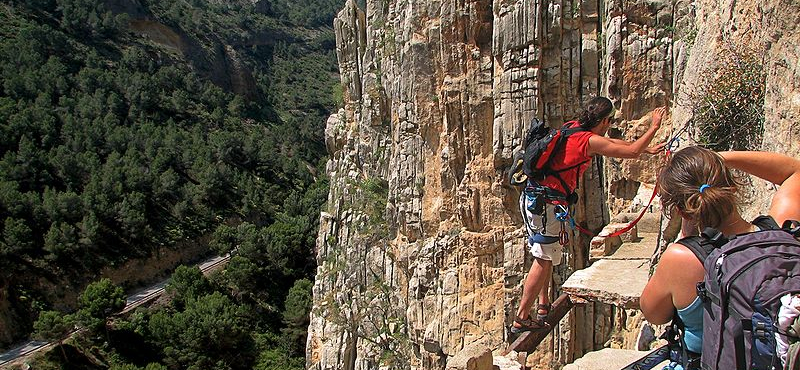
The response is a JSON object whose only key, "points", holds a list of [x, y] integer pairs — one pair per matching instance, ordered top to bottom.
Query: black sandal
{"points": [[528, 324]]}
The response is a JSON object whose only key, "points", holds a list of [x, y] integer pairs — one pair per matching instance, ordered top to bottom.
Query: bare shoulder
{"points": [[598, 144], [786, 201], [678, 252], [682, 261]]}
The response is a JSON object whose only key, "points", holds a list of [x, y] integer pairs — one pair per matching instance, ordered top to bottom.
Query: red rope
{"points": [[644, 210], [632, 223], [587, 232]]}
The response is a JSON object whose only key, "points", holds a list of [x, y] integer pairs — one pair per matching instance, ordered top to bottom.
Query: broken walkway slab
{"points": [[641, 249], [618, 279], [616, 282], [608, 359]]}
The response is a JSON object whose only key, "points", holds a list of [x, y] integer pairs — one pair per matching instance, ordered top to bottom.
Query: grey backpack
{"points": [[745, 277]]}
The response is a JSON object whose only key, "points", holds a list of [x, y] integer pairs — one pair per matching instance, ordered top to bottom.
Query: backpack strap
{"points": [[566, 132], [556, 172], [573, 195], [766, 222], [698, 245], [702, 245], [675, 335]]}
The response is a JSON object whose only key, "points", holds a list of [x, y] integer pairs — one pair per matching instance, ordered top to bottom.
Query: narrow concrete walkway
{"points": [[618, 279], [608, 359]]}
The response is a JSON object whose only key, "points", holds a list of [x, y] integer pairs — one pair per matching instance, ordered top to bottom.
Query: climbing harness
{"points": [[537, 195], [536, 198]]}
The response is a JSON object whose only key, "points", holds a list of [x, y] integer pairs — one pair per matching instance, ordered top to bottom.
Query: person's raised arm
{"points": [[621, 149], [655, 149], [778, 169]]}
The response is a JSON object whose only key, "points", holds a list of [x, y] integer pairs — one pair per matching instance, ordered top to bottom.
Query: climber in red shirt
{"points": [[540, 219]]}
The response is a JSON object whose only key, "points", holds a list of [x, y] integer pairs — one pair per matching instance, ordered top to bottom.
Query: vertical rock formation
{"points": [[420, 249]]}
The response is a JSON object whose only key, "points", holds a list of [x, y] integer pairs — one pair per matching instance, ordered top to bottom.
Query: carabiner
{"points": [[674, 144], [563, 215]]}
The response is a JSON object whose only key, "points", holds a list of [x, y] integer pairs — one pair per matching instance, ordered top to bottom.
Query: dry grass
{"points": [[727, 104]]}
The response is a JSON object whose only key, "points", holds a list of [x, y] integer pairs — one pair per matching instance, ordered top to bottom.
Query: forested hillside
{"points": [[130, 127]]}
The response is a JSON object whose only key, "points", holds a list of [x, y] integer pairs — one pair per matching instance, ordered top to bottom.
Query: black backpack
{"points": [[534, 162], [745, 277]]}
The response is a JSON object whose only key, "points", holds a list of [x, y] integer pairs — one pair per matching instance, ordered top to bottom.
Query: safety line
{"points": [[672, 146]]}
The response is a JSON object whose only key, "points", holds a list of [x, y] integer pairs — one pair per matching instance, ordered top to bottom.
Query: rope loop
{"points": [[563, 235]]}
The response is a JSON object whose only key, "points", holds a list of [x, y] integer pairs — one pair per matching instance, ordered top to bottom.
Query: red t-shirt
{"points": [[575, 151]]}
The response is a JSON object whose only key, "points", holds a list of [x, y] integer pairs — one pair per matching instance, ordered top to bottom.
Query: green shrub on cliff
{"points": [[728, 102]]}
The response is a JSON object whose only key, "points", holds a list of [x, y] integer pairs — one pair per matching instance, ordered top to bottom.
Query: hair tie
{"points": [[704, 187]]}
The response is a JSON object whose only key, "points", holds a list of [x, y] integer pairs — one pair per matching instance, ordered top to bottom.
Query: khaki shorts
{"points": [[542, 230]]}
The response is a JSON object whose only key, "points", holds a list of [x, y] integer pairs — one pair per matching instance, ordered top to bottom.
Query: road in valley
{"points": [[134, 300]]}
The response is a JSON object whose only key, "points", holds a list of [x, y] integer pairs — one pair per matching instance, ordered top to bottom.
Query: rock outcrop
{"points": [[210, 55], [420, 249]]}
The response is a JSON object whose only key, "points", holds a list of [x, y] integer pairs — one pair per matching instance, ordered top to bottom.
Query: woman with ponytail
{"points": [[699, 185], [541, 222]]}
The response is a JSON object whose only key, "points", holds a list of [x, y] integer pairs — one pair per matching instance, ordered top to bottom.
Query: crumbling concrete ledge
{"points": [[616, 282], [475, 356], [608, 359]]}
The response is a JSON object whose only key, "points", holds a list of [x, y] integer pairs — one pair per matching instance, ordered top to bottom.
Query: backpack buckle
{"points": [[792, 226], [714, 236], [702, 292], [760, 330], [671, 334]]}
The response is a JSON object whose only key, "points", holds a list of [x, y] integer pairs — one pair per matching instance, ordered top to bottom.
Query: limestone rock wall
{"points": [[771, 30], [638, 58], [420, 249]]}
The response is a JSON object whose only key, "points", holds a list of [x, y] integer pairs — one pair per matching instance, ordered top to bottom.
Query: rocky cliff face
{"points": [[771, 31], [211, 56], [220, 62], [420, 250]]}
